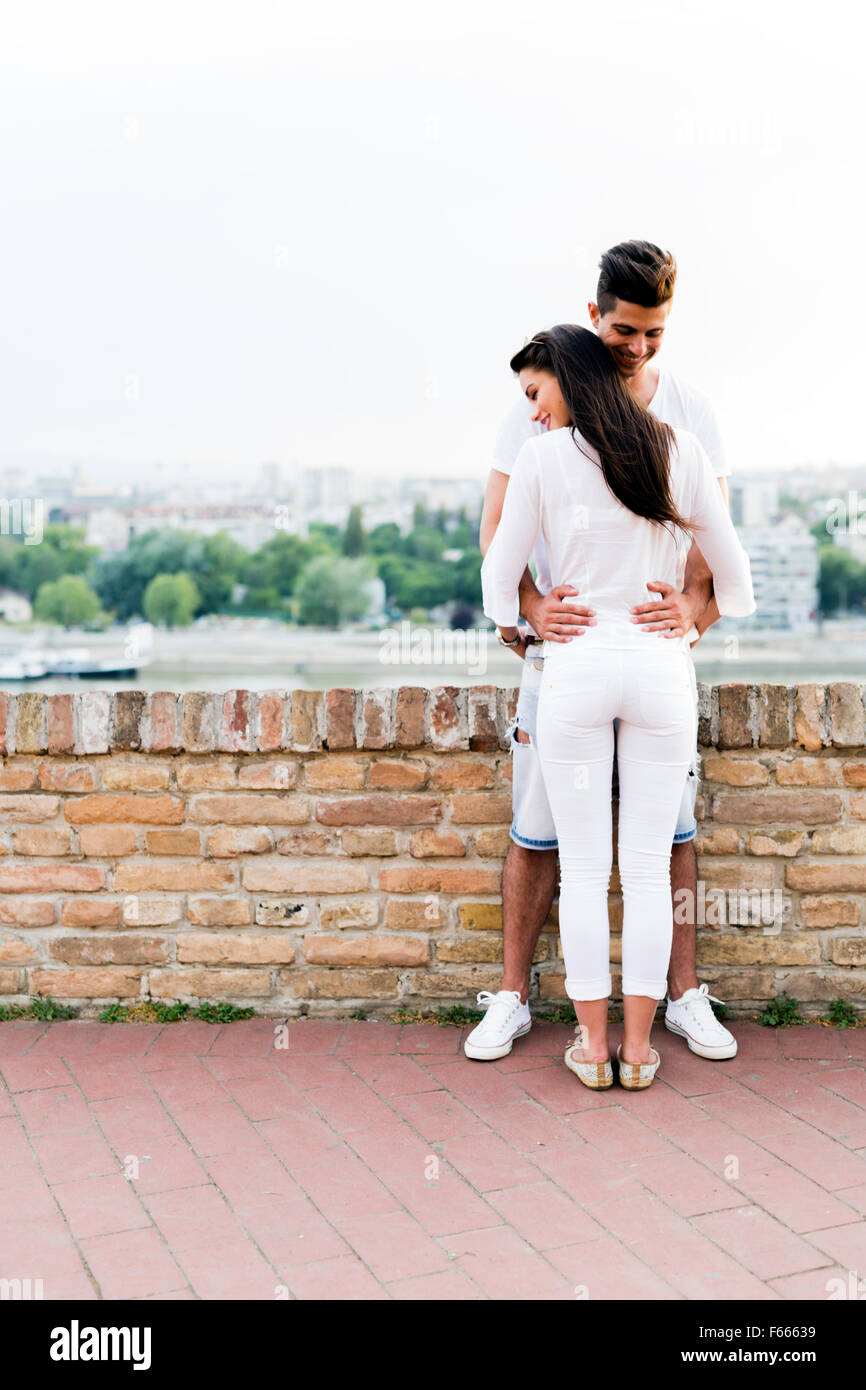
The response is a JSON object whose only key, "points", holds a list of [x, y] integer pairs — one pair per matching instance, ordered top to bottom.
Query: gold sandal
{"points": [[598, 1076], [637, 1076]]}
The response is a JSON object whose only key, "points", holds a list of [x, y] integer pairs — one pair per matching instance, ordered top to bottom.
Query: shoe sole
{"points": [[721, 1053], [491, 1054], [627, 1082], [591, 1085], [634, 1085]]}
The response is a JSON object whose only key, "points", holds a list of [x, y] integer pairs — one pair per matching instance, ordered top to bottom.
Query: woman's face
{"points": [[542, 390]]}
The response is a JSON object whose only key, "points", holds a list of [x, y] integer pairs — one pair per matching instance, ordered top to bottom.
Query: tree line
{"points": [[321, 579]]}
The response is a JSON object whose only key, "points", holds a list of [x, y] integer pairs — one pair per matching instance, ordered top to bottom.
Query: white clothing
{"points": [[674, 402], [599, 547], [616, 670], [650, 692]]}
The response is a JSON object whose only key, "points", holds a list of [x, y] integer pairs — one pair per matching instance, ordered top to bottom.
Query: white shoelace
{"points": [[704, 995], [509, 1003]]}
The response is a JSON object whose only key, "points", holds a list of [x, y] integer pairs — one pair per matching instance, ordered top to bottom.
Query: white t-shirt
{"points": [[674, 402], [599, 546]]}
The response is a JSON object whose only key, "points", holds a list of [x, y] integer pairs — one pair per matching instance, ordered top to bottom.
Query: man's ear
{"points": [[593, 313]]}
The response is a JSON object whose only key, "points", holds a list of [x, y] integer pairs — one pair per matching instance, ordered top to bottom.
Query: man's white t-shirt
{"points": [[674, 402]]}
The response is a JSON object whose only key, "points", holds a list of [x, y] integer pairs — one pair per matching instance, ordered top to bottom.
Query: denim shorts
{"points": [[532, 821]]}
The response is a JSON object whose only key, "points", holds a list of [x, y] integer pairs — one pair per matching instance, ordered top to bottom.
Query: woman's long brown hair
{"points": [[633, 446]]}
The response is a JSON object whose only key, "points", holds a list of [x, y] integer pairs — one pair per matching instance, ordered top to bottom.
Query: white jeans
{"points": [[585, 687]]}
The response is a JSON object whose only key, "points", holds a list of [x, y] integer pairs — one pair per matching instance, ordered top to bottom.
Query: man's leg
{"points": [[528, 887], [682, 972], [688, 1011]]}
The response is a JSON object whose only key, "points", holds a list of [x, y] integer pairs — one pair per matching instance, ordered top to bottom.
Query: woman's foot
{"points": [[594, 1072], [637, 1076]]}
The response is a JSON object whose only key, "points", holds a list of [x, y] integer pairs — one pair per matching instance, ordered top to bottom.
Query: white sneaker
{"points": [[506, 1019], [694, 1020]]}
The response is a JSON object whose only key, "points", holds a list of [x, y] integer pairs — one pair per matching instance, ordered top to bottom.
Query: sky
{"points": [[239, 232]]}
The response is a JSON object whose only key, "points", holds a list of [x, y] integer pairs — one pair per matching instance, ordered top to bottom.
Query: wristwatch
{"points": [[515, 642]]}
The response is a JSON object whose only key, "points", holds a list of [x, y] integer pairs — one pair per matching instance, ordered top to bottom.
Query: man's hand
{"points": [[673, 614], [554, 619]]}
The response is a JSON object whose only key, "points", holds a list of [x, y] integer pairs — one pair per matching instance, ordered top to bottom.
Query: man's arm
{"points": [[693, 606], [710, 613]]}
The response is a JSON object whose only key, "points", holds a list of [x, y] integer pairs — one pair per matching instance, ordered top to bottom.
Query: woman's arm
{"points": [[513, 542], [732, 575]]}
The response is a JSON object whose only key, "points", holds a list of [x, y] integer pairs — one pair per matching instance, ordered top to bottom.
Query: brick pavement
{"points": [[373, 1161]]}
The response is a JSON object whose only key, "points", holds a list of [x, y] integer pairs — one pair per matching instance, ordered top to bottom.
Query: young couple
{"points": [[611, 470]]}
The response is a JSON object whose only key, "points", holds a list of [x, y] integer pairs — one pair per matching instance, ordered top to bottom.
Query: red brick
{"points": [[270, 711], [409, 716], [340, 718], [448, 722], [235, 732], [60, 736], [407, 776], [480, 808], [153, 810], [380, 810], [107, 841], [428, 844], [47, 878], [430, 879], [27, 912], [89, 912]]}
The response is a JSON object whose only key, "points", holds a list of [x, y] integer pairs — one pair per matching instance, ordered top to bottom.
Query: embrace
{"points": [[610, 471]]}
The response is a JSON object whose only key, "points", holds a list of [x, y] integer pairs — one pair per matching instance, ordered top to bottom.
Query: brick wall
{"points": [[316, 852]]}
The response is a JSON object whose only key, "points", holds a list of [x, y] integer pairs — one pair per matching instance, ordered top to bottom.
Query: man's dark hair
{"points": [[638, 272]]}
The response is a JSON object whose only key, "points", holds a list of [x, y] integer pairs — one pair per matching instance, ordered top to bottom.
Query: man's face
{"points": [[632, 333]]}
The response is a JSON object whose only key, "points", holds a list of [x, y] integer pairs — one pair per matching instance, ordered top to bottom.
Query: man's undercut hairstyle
{"points": [[638, 272]]}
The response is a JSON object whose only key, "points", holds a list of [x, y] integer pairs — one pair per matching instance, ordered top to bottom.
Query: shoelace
{"points": [[704, 994], [489, 1000]]}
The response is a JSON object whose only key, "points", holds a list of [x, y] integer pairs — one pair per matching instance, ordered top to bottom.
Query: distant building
{"points": [[325, 489], [754, 501], [108, 528], [784, 560], [375, 590], [14, 607]]}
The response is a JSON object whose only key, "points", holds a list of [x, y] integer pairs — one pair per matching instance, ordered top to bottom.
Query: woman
{"points": [[616, 494]]}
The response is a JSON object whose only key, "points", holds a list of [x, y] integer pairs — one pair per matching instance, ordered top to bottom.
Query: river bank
{"points": [[257, 654]]}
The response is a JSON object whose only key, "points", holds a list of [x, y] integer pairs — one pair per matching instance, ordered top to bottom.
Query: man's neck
{"points": [[643, 386]]}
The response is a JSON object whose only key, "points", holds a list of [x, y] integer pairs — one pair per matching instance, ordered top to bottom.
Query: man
{"points": [[630, 313]]}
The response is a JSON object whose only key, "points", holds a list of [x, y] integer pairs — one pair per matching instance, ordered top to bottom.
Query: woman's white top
{"points": [[602, 549]]}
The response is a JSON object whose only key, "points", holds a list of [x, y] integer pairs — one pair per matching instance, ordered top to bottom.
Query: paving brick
{"points": [[823, 1160], [488, 1162], [795, 1200], [100, 1206], [544, 1215], [290, 1232], [766, 1247], [131, 1264], [503, 1264], [231, 1269], [345, 1278]]}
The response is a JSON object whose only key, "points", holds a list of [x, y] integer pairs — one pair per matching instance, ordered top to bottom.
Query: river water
{"points": [[259, 655]]}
